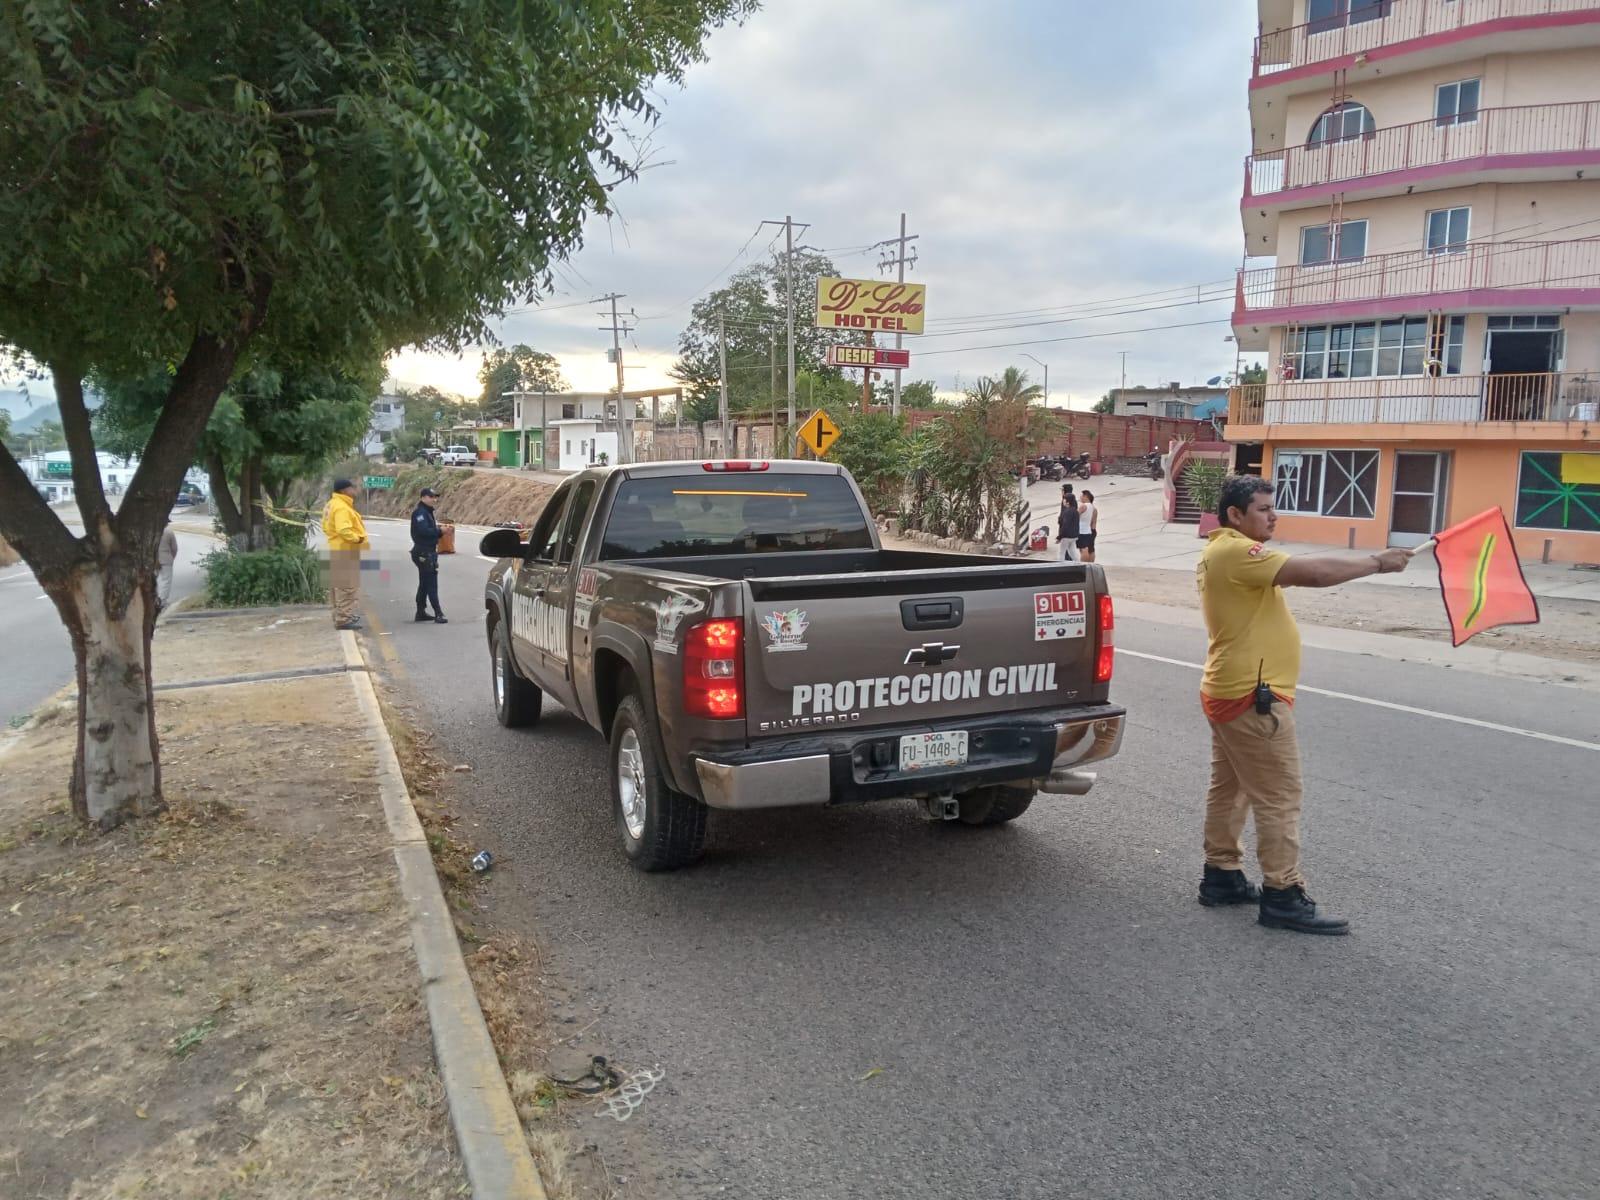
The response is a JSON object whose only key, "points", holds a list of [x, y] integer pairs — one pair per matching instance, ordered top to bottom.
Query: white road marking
{"points": [[1389, 704]]}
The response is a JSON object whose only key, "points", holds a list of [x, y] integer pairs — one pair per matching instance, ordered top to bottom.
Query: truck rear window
{"points": [[756, 513]]}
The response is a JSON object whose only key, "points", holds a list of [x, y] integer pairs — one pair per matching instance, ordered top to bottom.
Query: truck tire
{"points": [[517, 701], [993, 805], [661, 829]]}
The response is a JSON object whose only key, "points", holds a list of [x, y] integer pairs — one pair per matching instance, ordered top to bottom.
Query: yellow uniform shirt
{"points": [[342, 524], [1252, 632]]}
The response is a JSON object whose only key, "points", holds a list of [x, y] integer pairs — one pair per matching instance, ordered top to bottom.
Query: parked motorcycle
{"points": [[1152, 462], [1078, 466], [1050, 468]]}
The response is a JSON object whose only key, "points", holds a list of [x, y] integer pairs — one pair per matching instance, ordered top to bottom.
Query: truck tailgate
{"points": [[917, 647]]}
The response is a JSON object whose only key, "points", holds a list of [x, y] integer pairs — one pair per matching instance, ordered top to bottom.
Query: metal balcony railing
{"points": [[1368, 24], [1528, 129], [1472, 266], [1543, 396]]}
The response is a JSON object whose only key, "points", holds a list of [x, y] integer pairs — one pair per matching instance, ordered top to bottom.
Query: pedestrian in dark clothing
{"points": [[1067, 524], [425, 554]]}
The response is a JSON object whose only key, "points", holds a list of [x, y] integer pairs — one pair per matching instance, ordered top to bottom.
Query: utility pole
{"points": [[899, 261], [788, 292], [1124, 354], [772, 363], [1046, 367], [722, 402], [624, 422]]}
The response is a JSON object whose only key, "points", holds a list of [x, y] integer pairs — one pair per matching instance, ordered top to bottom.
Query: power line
{"points": [[1081, 337]]}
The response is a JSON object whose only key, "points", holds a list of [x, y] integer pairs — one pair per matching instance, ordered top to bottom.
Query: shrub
{"points": [[1204, 480], [247, 579]]}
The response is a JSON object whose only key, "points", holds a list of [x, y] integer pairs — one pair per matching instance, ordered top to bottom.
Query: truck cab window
{"points": [[776, 512], [577, 514], [548, 526]]}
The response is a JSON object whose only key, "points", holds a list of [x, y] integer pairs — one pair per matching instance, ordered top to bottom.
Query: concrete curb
{"points": [[488, 1132]]}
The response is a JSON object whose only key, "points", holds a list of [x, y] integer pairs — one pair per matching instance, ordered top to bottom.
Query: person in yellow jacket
{"points": [[347, 538]]}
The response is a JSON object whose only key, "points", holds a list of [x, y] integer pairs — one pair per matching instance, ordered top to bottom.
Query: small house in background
{"points": [[1174, 401], [388, 418], [579, 443]]}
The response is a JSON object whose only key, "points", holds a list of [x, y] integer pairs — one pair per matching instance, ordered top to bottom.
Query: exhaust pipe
{"points": [[1069, 783]]}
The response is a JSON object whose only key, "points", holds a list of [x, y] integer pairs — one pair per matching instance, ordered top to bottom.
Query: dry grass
{"points": [[223, 1001]]}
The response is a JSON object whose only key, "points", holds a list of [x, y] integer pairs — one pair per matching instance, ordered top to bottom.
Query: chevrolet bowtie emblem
{"points": [[930, 654]]}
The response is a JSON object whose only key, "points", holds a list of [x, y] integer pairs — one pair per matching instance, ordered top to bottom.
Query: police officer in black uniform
{"points": [[425, 553]]}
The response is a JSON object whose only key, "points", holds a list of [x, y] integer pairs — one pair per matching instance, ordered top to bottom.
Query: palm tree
{"points": [[1013, 387]]}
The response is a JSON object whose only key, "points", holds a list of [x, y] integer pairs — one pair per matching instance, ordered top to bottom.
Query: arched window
{"points": [[1341, 123]]}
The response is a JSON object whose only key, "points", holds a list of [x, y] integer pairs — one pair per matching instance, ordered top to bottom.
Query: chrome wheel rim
{"points": [[500, 678], [630, 783]]}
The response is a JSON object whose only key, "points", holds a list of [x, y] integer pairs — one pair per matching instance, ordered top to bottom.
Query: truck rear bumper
{"points": [[1042, 753]]}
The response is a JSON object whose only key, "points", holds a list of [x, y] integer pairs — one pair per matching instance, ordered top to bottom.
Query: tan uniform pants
{"points": [[344, 584], [1255, 766]]}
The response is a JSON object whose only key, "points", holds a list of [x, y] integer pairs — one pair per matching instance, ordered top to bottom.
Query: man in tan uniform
{"points": [[347, 538], [1252, 666]]}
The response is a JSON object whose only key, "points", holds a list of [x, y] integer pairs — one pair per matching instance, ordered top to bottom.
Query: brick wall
{"points": [[1101, 434]]}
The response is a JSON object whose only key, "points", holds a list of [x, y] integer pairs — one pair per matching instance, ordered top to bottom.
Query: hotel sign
{"points": [[870, 304]]}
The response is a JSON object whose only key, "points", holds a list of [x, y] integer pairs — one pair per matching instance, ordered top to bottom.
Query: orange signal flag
{"points": [[1481, 577]]}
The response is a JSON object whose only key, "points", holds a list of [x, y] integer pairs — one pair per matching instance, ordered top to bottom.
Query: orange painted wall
{"points": [[1482, 474]]}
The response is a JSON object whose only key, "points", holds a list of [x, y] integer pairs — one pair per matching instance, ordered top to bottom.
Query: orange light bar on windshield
{"points": [[725, 492]]}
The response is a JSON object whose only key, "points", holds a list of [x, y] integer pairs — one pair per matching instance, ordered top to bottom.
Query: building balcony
{"points": [[1372, 38], [1498, 145], [1479, 276], [1548, 405]]}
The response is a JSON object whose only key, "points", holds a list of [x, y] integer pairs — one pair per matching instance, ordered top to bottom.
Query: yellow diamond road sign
{"points": [[819, 433]]}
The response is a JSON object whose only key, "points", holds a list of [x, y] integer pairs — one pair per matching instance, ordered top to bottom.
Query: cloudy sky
{"points": [[1050, 156]]}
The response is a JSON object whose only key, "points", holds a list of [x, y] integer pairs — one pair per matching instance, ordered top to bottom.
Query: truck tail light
{"points": [[734, 465], [1105, 654], [713, 670]]}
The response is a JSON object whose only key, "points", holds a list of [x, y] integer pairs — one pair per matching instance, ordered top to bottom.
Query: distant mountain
{"points": [[26, 418], [31, 419]]}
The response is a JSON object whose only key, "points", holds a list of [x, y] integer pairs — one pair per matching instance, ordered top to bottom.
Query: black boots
{"points": [[421, 616], [437, 618], [440, 619], [1226, 887], [1291, 908]]}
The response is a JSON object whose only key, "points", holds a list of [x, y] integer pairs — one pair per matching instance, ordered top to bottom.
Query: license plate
{"points": [[922, 751]]}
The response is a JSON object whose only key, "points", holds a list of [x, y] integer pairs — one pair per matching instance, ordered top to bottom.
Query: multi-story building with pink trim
{"points": [[1421, 214]]}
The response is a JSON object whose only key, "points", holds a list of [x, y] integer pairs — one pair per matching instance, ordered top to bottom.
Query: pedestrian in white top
{"points": [[1088, 524], [166, 556]]}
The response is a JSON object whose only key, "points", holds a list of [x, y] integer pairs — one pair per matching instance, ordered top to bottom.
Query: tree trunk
{"points": [[222, 497], [117, 772]]}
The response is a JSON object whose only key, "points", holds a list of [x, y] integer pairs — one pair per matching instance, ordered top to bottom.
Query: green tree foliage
{"points": [[305, 183], [751, 305], [518, 369], [1255, 374], [920, 394], [1105, 404], [269, 429], [872, 447], [974, 449]]}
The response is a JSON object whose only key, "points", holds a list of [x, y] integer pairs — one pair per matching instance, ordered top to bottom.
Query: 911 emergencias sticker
{"points": [[1059, 615]]}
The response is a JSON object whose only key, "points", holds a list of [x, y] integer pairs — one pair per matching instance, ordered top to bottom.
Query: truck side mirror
{"points": [[503, 543]]}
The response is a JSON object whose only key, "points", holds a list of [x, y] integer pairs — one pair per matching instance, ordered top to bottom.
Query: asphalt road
{"points": [[38, 652], [1051, 1012]]}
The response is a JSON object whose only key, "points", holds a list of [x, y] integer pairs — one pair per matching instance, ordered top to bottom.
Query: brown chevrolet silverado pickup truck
{"points": [[740, 636]]}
